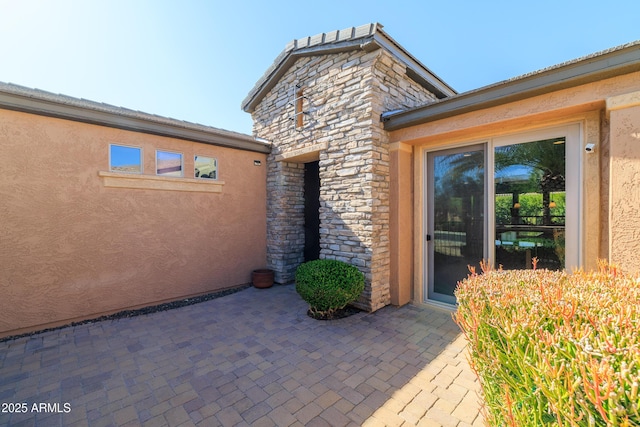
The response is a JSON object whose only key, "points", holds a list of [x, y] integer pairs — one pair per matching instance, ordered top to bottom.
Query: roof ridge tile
{"points": [[371, 35]]}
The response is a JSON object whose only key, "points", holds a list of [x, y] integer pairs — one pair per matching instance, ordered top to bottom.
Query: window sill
{"points": [[152, 182]]}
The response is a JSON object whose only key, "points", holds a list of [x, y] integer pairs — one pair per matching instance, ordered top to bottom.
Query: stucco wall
{"points": [[526, 114], [609, 114], [624, 192], [71, 247]]}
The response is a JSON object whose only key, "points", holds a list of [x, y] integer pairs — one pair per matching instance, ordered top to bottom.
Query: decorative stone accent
{"points": [[346, 92]]}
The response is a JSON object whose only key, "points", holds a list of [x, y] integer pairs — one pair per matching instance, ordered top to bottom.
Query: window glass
{"points": [[125, 159], [168, 163], [206, 167], [530, 204], [457, 219]]}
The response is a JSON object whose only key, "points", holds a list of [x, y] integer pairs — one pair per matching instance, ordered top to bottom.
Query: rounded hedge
{"points": [[328, 285]]}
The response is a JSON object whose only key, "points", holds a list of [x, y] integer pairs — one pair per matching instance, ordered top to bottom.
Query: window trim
{"points": [[164, 183]]}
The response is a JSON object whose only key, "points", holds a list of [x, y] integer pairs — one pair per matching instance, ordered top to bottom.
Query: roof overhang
{"points": [[367, 37], [599, 66], [33, 101]]}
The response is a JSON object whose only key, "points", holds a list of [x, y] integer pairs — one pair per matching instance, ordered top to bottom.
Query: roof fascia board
{"points": [[611, 64], [418, 78], [439, 87], [32, 105]]}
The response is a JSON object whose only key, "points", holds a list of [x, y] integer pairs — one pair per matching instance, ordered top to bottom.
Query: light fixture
{"points": [[552, 204], [516, 205]]}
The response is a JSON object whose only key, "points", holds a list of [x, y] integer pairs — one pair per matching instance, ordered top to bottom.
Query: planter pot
{"points": [[262, 278]]}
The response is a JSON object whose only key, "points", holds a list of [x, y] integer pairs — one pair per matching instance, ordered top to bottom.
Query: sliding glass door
{"points": [[511, 200], [530, 204], [456, 220]]}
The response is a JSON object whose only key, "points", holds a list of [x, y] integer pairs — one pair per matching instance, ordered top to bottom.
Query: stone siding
{"points": [[345, 94], [285, 218]]}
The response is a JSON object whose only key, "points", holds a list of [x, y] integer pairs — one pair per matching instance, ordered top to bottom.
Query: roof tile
{"points": [[363, 31], [345, 34], [331, 36], [316, 40], [332, 41], [302, 43], [12, 94]]}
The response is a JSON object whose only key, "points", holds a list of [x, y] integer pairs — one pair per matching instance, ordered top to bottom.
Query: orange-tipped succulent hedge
{"points": [[553, 348]]}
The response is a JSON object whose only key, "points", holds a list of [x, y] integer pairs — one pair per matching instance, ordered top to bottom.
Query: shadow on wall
{"points": [[347, 231], [339, 241]]}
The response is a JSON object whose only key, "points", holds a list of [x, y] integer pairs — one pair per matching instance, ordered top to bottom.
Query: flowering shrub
{"points": [[552, 348]]}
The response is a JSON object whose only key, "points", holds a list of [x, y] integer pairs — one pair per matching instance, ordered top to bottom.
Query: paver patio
{"points": [[250, 358]]}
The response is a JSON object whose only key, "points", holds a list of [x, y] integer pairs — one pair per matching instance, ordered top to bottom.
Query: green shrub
{"points": [[328, 285], [552, 348]]}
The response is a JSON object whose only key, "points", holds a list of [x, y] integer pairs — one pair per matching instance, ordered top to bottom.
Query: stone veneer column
{"points": [[345, 93], [285, 218], [346, 223]]}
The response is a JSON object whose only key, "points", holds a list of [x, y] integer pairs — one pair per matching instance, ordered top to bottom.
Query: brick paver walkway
{"points": [[250, 358]]}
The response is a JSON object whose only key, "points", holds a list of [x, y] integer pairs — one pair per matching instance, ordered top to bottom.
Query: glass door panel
{"points": [[530, 204], [456, 229]]}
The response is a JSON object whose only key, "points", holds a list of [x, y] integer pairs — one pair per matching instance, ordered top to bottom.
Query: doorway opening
{"points": [[311, 211], [456, 220]]}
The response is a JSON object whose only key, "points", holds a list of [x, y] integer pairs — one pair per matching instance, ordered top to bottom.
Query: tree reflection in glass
{"points": [[530, 204], [458, 218]]}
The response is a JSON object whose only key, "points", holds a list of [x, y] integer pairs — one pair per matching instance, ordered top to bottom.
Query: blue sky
{"points": [[196, 60]]}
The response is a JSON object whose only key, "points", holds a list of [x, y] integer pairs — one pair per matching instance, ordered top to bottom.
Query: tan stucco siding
{"points": [[609, 115], [514, 117], [624, 195], [401, 224], [71, 247]]}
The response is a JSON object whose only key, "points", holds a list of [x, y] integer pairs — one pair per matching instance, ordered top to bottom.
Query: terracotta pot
{"points": [[262, 278]]}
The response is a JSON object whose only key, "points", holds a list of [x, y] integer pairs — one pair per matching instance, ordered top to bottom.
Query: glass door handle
{"points": [[428, 237]]}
